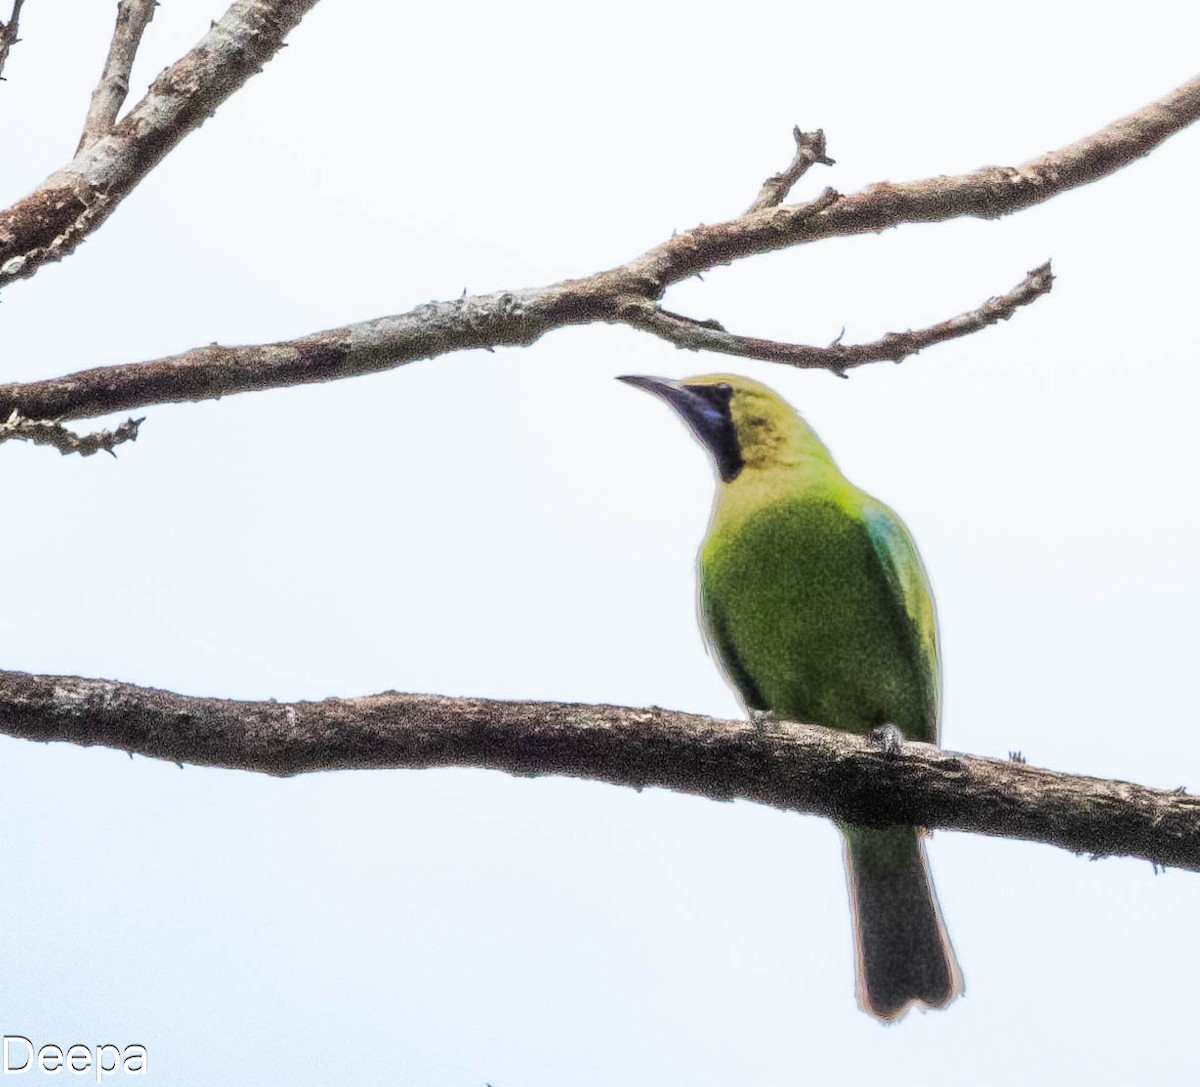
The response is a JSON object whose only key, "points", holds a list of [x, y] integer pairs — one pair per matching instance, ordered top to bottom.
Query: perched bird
{"points": [[815, 602]]}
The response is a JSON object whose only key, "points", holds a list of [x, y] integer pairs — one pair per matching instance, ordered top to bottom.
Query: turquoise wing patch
{"points": [[909, 584]]}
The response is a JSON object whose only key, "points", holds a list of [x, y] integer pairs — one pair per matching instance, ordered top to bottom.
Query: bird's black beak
{"points": [[706, 410]]}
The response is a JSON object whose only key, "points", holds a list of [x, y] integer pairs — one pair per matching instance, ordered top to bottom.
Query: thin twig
{"points": [[8, 33], [110, 92], [810, 149], [618, 295], [687, 332], [50, 432], [784, 765]]}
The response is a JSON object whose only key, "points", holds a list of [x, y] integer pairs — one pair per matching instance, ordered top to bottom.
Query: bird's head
{"points": [[742, 423]]}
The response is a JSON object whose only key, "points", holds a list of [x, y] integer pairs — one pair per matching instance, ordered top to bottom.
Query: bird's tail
{"points": [[903, 954]]}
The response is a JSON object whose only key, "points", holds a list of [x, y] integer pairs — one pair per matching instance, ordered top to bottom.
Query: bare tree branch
{"points": [[8, 33], [110, 92], [810, 149], [987, 193], [72, 202], [618, 295], [686, 332], [205, 373], [49, 432], [784, 765]]}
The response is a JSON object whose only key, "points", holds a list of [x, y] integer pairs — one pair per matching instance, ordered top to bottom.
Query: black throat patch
{"points": [[707, 411]]}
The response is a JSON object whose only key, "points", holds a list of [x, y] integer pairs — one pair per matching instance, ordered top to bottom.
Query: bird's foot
{"points": [[759, 719], [889, 738]]}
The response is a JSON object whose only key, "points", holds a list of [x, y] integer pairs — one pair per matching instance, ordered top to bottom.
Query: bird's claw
{"points": [[760, 719], [888, 738]]}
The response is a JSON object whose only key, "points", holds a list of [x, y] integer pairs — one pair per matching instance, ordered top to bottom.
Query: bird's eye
{"points": [[724, 393], [717, 396]]}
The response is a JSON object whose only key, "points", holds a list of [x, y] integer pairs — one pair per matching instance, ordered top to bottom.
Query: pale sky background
{"points": [[519, 525]]}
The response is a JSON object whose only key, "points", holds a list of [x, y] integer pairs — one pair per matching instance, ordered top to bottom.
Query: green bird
{"points": [[816, 604]]}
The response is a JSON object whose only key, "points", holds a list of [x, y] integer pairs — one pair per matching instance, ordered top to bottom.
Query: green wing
{"points": [[909, 586], [718, 642]]}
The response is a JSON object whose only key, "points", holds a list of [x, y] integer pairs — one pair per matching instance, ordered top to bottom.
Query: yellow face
{"points": [[742, 424], [769, 431]]}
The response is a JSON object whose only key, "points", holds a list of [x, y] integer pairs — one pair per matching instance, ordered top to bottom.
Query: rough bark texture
{"points": [[9, 32], [109, 95], [810, 150], [838, 357], [207, 373], [46, 432], [784, 765]]}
